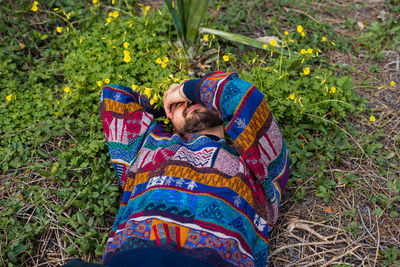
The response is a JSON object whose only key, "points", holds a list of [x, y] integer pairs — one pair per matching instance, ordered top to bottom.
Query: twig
{"points": [[302, 12], [362, 221], [320, 224], [302, 226], [379, 240], [303, 244], [309, 256], [340, 256], [314, 263]]}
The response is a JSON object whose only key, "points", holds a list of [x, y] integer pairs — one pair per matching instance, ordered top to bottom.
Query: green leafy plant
{"points": [[391, 256]]}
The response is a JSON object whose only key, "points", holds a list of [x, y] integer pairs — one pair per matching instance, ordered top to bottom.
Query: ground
{"points": [[357, 226], [311, 232]]}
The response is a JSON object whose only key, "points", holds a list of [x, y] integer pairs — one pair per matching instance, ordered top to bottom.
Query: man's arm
{"points": [[126, 117], [252, 127]]}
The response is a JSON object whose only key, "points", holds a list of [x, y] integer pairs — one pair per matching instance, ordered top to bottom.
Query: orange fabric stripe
{"points": [[121, 108], [248, 136]]}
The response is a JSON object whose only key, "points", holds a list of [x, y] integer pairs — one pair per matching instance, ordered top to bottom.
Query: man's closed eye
{"points": [[175, 105]]}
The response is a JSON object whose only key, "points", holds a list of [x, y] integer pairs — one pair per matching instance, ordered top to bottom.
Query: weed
{"points": [[391, 256]]}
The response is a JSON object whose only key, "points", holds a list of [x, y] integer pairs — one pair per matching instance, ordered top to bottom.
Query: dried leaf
{"points": [[361, 25], [268, 39], [328, 209]]}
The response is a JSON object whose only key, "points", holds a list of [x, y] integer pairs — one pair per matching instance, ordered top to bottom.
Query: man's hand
{"points": [[173, 95]]}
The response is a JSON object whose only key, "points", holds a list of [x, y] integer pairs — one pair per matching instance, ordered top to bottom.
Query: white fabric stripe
{"points": [[215, 95], [120, 128], [111, 130], [267, 147], [264, 157]]}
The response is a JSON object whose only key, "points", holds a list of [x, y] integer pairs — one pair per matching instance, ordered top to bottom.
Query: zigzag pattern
{"points": [[201, 158]]}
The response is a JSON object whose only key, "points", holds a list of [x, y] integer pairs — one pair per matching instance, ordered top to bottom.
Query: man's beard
{"points": [[200, 120]]}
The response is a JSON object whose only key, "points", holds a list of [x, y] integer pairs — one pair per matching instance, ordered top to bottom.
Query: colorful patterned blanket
{"points": [[210, 198]]}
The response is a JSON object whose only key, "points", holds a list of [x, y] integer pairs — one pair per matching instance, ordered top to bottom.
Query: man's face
{"points": [[190, 117]]}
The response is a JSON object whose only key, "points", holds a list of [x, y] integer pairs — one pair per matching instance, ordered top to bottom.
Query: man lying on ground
{"points": [[206, 194]]}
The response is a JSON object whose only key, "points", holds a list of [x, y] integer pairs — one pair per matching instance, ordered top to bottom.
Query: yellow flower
{"points": [[95, 1], [112, 2], [35, 3], [34, 8], [147, 8], [56, 9], [110, 14], [115, 14], [108, 20], [59, 29], [299, 29], [286, 33], [302, 34], [205, 37], [323, 39], [273, 42], [333, 43], [126, 45], [265, 46], [309, 50], [303, 51], [126, 53], [127, 58], [225, 58], [166, 59], [159, 60], [163, 65], [306, 71], [107, 80], [99, 83], [392, 83], [134, 87], [333, 89], [67, 90], [147, 92], [292, 96], [9, 97], [153, 100], [372, 119], [165, 121]]}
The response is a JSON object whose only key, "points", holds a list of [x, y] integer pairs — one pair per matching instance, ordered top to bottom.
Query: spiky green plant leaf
{"points": [[187, 18], [239, 38]]}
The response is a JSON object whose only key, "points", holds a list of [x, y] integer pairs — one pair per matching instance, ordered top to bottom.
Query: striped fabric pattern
{"points": [[210, 198]]}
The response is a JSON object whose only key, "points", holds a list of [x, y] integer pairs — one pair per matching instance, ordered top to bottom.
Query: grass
{"points": [[58, 193]]}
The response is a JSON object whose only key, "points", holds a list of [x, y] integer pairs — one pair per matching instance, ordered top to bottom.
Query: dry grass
{"points": [[311, 232]]}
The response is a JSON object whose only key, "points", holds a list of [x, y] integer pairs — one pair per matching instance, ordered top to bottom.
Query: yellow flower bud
{"points": [[299, 29]]}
